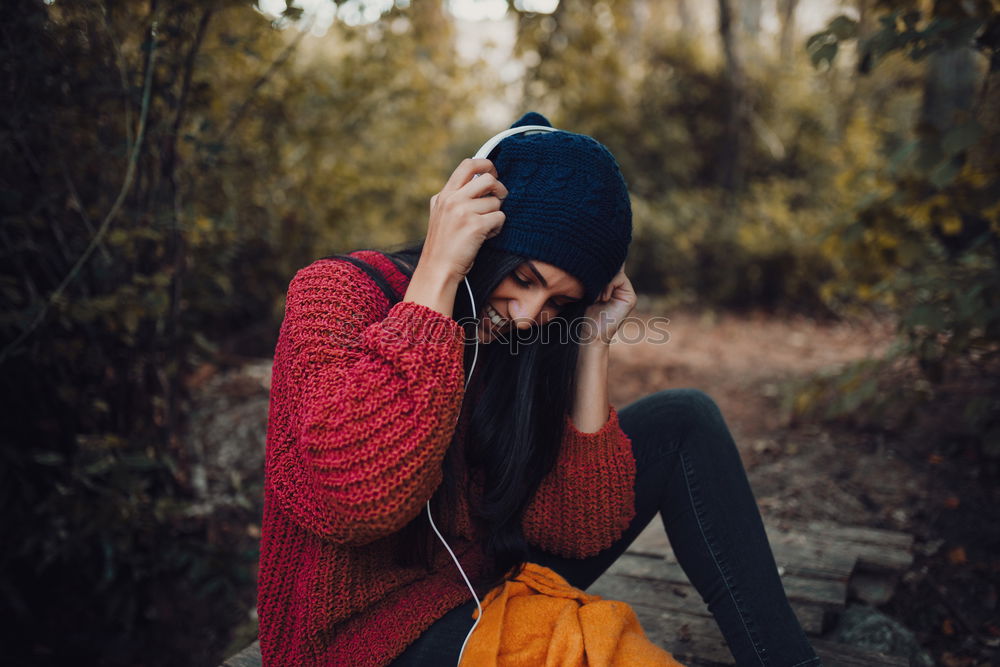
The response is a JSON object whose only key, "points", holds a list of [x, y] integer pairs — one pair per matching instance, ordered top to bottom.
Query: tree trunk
{"points": [[750, 14], [688, 26], [866, 26], [432, 27], [786, 39], [949, 87], [985, 155], [729, 173]]}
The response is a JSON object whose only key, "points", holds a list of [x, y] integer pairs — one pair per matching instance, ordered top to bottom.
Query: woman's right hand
{"points": [[463, 215]]}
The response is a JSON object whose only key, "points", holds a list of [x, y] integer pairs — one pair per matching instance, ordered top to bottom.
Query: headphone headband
{"points": [[491, 143]]}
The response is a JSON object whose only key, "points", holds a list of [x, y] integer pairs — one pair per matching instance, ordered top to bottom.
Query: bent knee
{"points": [[688, 399], [671, 411]]}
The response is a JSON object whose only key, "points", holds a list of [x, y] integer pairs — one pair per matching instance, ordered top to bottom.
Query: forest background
{"points": [[166, 167]]}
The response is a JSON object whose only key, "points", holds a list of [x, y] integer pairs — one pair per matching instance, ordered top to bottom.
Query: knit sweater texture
{"points": [[365, 398]]}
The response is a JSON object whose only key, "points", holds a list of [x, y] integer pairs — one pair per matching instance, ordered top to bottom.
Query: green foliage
{"points": [[907, 29], [823, 46], [656, 104], [165, 170], [925, 241]]}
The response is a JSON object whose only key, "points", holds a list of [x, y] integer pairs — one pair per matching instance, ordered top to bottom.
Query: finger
{"points": [[465, 171], [484, 185], [499, 190], [433, 201], [482, 205], [478, 206], [494, 223]]}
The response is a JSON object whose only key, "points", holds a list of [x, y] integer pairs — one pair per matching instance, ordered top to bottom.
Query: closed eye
{"points": [[525, 283]]}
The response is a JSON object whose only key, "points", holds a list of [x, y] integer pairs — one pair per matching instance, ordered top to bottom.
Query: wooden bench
{"points": [[820, 562], [248, 657]]}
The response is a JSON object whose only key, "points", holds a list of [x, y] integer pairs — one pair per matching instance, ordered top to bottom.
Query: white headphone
{"points": [[492, 142], [485, 150]]}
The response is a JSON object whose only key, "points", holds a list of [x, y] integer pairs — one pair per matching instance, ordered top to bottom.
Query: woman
{"points": [[374, 432]]}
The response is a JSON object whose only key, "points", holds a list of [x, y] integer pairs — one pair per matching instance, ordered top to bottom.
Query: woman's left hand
{"points": [[613, 305]]}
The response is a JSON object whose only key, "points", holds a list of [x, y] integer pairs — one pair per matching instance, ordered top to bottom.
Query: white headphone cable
{"points": [[481, 153], [430, 518]]}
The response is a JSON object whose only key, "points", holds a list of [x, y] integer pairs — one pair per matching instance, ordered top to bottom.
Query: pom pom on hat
{"points": [[532, 118], [567, 203]]}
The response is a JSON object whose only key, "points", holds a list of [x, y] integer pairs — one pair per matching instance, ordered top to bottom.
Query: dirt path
{"points": [[742, 361]]}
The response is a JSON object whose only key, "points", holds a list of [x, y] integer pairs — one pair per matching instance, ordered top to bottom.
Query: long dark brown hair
{"points": [[515, 427]]}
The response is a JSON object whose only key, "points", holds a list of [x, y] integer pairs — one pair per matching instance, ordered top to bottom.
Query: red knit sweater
{"points": [[364, 401]]}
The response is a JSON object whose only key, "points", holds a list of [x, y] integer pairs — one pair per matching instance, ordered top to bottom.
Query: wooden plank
{"points": [[842, 533], [653, 539], [812, 549], [876, 549], [802, 554], [794, 555], [870, 557], [816, 560], [826, 593], [678, 597], [691, 639], [697, 642], [835, 654], [248, 657]]}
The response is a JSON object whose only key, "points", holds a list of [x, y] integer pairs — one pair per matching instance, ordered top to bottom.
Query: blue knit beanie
{"points": [[568, 204]]}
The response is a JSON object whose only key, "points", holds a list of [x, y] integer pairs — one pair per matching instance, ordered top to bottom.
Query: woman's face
{"points": [[533, 293]]}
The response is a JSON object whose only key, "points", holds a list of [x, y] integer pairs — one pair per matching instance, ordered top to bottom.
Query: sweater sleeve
{"points": [[362, 407], [588, 499]]}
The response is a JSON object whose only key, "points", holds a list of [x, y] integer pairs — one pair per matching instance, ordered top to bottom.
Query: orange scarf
{"points": [[538, 620]]}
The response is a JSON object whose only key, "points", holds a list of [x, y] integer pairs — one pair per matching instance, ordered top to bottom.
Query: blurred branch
{"points": [[120, 61], [189, 69], [264, 78], [29, 155], [78, 205], [115, 208], [177, 248]]}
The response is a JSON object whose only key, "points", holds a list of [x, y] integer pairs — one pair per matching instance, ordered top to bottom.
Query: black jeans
{"points": [[689, 470]]}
